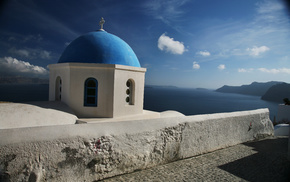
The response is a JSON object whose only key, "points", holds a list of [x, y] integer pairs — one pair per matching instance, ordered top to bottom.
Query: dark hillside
{"points": [[255, 88], [277, 93]]}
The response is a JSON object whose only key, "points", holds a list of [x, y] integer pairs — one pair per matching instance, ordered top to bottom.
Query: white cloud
{"points": [[266, 7], [167, 11], [270, 11], [269, 27], [20, 38], [37, 38], [168, 44], [256, 51], [20, 52], [237, 52], [31, 53], [203, 53], [44, 54], [12, 66], [195, 66], [221, 67], [242, 70], [265, 70], [268, 70], [285, 70], [275, 71]]}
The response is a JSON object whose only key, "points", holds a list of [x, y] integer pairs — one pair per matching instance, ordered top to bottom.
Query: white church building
{"points": [[98, 75]]}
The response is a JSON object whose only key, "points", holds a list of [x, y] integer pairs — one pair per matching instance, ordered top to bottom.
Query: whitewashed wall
{"points": [[96, 151]]}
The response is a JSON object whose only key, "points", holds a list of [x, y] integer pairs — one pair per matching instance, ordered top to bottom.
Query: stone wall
{"points": [[88, 152]]}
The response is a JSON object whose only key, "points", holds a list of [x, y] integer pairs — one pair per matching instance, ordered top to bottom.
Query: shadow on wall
{"points": [[269, 164]]}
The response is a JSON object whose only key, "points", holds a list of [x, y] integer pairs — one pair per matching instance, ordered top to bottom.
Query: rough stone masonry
{"points": [[89, 152]]}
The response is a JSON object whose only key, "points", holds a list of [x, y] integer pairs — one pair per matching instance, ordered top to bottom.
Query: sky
{"points": [[183, 43]]}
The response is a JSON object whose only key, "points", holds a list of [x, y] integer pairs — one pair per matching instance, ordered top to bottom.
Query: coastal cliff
{"points": [[255, 88], [277, 93]]}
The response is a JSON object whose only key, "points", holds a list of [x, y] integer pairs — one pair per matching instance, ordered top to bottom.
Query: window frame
{"points": [[58, 89], [86, 90], [130, 92]]}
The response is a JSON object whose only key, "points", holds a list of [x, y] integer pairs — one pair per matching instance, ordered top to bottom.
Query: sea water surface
{"points": [[184, 100], [202, 101]]}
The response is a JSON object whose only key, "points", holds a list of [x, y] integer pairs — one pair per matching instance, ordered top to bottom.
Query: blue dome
{"points": [[99, 47]]}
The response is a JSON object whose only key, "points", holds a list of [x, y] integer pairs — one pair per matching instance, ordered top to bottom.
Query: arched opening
{"points": [[58, 87], [91, 92], [130, 92]]}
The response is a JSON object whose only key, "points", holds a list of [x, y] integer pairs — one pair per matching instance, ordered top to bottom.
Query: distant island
{"points": [[160, 86], [255, 88], [203, 89], [269, 91]]}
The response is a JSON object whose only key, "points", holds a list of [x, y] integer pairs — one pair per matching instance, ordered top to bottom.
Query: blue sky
{"points": [[185, 43]]}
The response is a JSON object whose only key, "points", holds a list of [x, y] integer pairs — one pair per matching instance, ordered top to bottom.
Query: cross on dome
{"points": [[101, 23]]}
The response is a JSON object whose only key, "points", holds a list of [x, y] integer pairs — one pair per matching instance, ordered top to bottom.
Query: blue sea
{"points": [[185, 100]]}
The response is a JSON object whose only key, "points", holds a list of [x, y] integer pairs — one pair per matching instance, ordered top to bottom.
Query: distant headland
{"points": [[270, 91]]}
